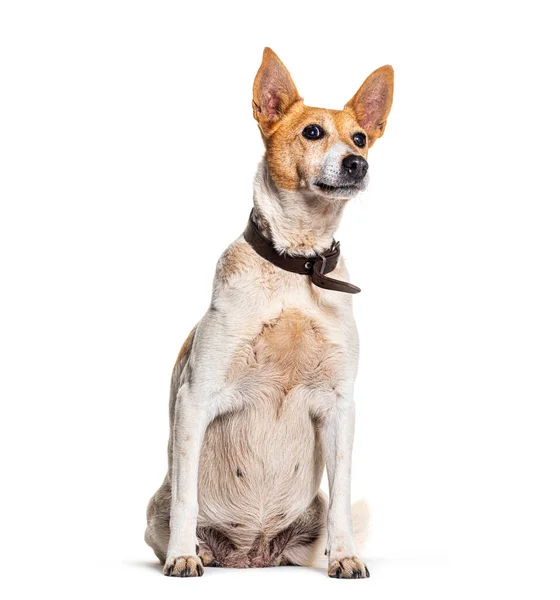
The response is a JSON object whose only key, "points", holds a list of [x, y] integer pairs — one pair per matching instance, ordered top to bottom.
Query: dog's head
{"points": [[316, 149]]}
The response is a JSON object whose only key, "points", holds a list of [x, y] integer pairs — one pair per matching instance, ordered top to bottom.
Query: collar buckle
{"points": [[323, 263], [299, 264]]}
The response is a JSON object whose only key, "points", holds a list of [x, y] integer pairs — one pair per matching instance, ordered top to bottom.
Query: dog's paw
{"points": [[208, 559], [183, 566], [350, 567]]}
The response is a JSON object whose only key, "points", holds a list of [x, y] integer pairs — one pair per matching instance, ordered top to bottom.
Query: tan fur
{"points": [[372, 103], [268, 107], [292, 159], [234, 261], [186, 347], [291, 348]]}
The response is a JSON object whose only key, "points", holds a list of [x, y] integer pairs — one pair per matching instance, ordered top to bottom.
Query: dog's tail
{"points": [[361, 520]]}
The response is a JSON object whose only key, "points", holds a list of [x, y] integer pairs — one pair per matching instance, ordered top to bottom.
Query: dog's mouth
{"points": [[337, 190]]}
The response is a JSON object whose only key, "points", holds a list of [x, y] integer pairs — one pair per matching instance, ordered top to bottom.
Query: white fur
{"points": [[331, 164]]}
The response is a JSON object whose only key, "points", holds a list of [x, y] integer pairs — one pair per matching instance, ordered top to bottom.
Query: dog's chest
{"points": [[294, 338], [292, 350]]}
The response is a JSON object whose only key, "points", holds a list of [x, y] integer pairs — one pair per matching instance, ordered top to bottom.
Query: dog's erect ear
{"points": [[273, 91], [372, 102]]}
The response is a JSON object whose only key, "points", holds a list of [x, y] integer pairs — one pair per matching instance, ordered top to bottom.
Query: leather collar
{"points": [[315, 266]]}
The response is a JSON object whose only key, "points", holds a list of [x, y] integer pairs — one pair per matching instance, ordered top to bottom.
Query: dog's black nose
{"points": [[355, 165]]}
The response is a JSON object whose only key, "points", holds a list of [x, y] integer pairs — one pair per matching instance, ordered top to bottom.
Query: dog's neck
{"points": [[298, 222]]}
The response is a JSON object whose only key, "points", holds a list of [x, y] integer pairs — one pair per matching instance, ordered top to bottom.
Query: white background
{"points": [[128, 150]]}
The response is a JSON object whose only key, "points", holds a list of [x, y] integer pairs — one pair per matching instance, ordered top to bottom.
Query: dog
{"points": [[262, 390]]}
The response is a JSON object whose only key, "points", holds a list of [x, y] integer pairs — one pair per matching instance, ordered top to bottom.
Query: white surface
{"points": [[127, 146]]}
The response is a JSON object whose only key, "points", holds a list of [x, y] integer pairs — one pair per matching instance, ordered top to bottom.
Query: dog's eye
{"points": [[313, 132], [359, 139]]}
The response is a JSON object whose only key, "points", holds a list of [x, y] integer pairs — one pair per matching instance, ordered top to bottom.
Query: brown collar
{"points": [[316, 266]]}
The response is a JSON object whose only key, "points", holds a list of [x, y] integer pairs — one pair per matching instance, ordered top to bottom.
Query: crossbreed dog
{"points": [[262, 390]]}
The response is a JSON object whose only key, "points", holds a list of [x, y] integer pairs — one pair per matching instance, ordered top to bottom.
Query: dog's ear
{"points": [[273, 91], [372, 102]]}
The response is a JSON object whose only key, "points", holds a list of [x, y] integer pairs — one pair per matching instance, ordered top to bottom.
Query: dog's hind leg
{"points": [[157, 530], [303, 541], [217, 550]]}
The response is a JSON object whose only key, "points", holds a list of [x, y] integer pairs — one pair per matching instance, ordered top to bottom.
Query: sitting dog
{"points": [[262, 390]]}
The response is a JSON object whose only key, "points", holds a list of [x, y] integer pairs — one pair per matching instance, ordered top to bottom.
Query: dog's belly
{"points": [[261, 467], [259, 470]]}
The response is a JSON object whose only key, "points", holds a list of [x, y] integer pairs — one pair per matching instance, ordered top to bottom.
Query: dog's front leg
{"points": [[191, 420], [338, 436]]}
